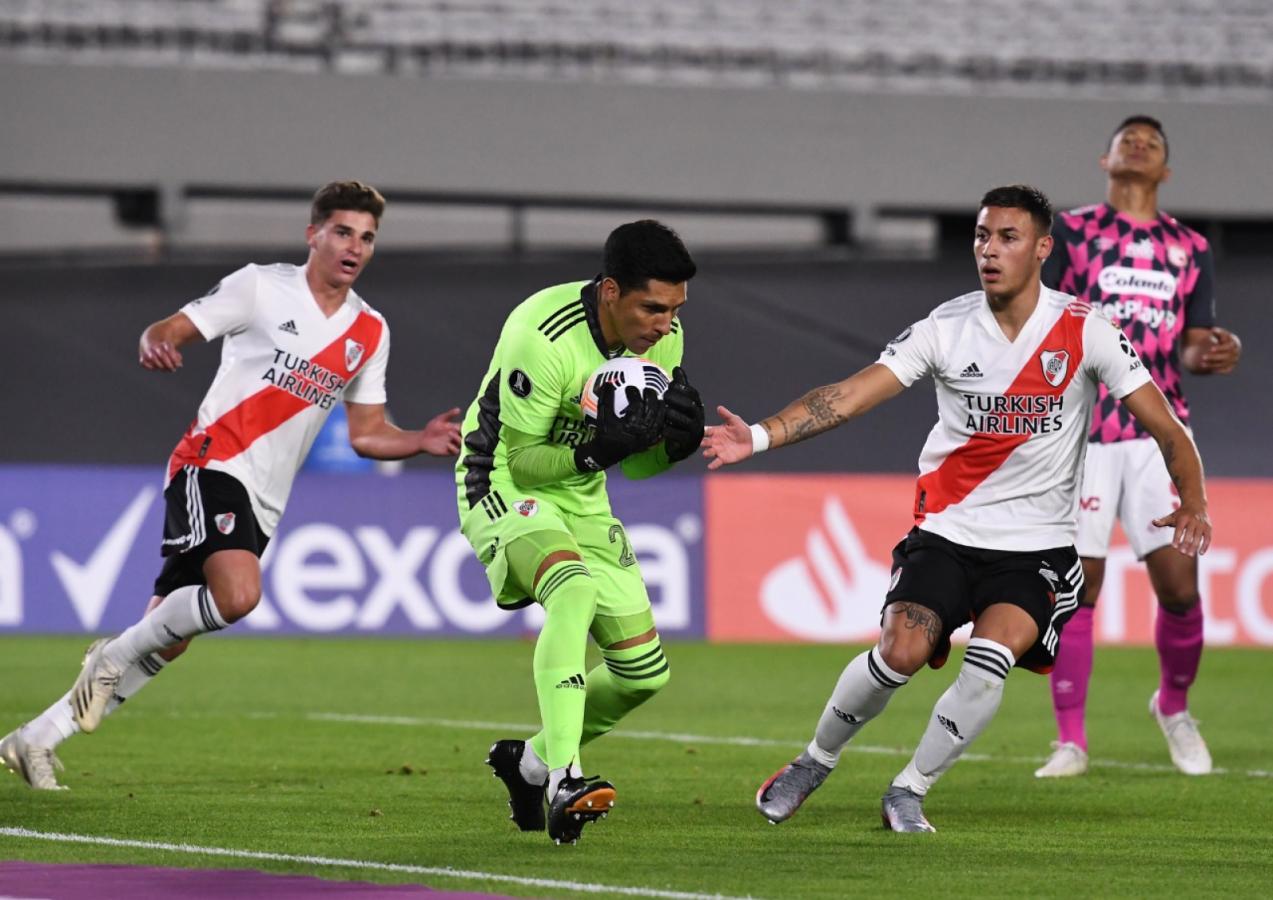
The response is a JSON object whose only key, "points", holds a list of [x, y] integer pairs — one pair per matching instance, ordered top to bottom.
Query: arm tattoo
{"points": [[821, 402], [822, 415], [919, 617]]}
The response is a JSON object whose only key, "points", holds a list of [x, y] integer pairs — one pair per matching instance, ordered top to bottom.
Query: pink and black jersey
{"points": [[1154, 279], [284, 365], [1001, 468]]}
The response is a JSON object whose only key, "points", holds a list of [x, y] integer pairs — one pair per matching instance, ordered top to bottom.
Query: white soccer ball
{"points": [[622, 372]]}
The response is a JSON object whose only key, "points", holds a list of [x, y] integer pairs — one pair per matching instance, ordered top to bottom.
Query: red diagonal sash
{"points": [[271, 406], [982, 454]]}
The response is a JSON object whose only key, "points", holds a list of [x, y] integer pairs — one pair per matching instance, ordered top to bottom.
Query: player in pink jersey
{"points": [[1153, 276], [296, 340], [1016, 367]]}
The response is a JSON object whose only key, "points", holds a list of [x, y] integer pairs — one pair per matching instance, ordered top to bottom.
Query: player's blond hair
{"points": [[352, 195]]}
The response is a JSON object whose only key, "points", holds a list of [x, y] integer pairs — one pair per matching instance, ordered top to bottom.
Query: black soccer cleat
{"points": [[526, 800], [577, 802]]}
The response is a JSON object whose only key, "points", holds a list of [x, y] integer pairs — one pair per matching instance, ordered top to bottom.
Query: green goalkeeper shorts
{"points": [[600, 541]]}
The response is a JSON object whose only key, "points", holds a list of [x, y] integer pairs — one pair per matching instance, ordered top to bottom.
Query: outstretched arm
{"points": [[159, 347], [817, 411], [372, 435], [1192, 526]]}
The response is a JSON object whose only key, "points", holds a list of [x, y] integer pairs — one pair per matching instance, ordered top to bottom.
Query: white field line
{"points": [[743, 741], [443, 871]]}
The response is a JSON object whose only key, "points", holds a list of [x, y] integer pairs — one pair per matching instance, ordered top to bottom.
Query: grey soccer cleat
{"points": [[94, 687], [38, 766], [784, 792], [526, 800], [577, 802], [903, 810]]}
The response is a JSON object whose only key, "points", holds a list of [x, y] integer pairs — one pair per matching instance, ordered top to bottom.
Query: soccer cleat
{"points": [[94, 687], [1188, 750], [1067, 760], [37, 765], [780, 796], [526, 800], [577, 802], [903, 810]]}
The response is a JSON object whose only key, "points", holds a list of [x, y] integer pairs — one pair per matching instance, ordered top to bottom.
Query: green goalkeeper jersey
{"points": [[549, 346]]}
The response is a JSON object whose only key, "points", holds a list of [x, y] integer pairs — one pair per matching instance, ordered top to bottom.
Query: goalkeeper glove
{"points": [[684, 429], [618, 437]]}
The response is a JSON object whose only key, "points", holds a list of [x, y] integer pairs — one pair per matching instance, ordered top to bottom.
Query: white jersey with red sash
{"points": [[284, 366], [1001, 468]]}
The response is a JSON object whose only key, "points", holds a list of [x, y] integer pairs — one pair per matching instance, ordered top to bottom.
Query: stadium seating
{"points": [[1168, 49]]}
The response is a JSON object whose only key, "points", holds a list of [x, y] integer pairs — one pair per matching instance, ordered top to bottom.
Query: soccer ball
{"points": [[622, 372]]}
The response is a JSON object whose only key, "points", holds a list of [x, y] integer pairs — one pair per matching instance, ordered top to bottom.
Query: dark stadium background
{"points": [[759, 331]]}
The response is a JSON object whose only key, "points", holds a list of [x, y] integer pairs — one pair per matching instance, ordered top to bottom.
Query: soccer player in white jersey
{"points": [[1151, 275], [296, 340], [1016, 367]]}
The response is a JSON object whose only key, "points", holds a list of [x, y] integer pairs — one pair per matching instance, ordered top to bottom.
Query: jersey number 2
{"points": [[618, 537]]}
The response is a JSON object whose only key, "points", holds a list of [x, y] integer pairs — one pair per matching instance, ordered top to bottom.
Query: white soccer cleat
{"points": [[94, 687], [1188, 750], [1067, 760], [38, 766]]}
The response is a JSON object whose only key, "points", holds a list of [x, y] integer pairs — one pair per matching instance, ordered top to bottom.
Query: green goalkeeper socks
{"points": [[569, 598], [624, 680]]}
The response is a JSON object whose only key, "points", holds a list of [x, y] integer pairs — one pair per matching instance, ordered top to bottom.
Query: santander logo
{"points": [[835, 591]]}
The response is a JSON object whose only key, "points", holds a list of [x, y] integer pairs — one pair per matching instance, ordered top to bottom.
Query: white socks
{"points": [[184, 613], [864, 689], [960, 715], [57, 723], [52, 726], [533, 769]]}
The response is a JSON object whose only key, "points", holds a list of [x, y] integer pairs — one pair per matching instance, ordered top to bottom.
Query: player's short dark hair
{"points": [[1143, 120], [351, 195], [1022, 196], [644, 250]]}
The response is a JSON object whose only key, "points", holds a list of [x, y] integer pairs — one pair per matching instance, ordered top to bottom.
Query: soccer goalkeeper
{"points": [[532, 498]]}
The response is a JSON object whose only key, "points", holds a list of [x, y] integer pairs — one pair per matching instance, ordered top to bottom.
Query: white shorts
{"points": [[1127, 480]]}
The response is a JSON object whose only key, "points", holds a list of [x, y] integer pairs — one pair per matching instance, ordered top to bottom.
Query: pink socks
{"points": [[1178, 637], [1070, 675]]}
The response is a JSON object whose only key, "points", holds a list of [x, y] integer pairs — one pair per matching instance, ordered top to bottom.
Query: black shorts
{"points": [[204, 511], [958, 583]]}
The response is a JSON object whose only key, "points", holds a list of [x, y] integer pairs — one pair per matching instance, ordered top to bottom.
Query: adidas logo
{"points": [[289, 326], [971, 372], [574, 681], [847, 718], [950, 726]]}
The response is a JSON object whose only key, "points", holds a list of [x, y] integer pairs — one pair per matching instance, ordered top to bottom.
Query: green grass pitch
{"points": [[243, 744]]}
